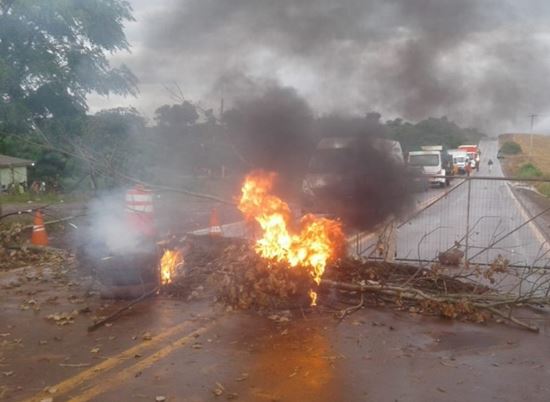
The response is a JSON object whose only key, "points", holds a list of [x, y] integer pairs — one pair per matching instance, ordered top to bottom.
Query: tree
{"points": [[53, 53], [176, 117], [431, 131], [112, 142]]}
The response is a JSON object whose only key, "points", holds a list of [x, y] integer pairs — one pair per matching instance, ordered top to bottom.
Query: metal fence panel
{"points": [[483, 217]]}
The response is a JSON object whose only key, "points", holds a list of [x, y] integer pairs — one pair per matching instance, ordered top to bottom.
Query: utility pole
{"points": [[222, 102], [533, 117]]}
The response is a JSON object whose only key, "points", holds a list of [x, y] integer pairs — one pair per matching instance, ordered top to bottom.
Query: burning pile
{"points": [[309, 246], [170, 262], [281, 267], [239, 277]]}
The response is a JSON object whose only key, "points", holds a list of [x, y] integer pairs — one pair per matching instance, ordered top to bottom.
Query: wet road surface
{"points": [[196, 351]]}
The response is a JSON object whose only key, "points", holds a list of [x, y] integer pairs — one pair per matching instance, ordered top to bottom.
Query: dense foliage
{"points": [[52, 54], [431, 131], [510, 148], [528, 170]]}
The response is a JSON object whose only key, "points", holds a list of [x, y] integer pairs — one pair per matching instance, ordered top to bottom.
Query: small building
{"points": [[13, 171]]}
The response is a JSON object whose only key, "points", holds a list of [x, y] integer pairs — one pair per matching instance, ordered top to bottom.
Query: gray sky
{"points": [[480, 62]]}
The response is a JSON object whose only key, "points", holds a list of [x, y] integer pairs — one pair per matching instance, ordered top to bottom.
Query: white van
{"points": [[460, 159], [432, 165]]}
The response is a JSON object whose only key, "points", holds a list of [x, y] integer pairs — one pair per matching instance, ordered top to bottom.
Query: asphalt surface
{"points": [[488, 211], [190, 350], [193, 350]]}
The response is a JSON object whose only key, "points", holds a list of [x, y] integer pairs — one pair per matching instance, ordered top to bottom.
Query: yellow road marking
{"points": [[130, 372], [88, 374]]}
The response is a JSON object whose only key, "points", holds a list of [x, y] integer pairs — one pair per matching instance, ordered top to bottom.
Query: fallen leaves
{"points": [[14, 253], [30, 304], [283, 316], [62, 319], [244, 376], [218, 389], [51, 390]]}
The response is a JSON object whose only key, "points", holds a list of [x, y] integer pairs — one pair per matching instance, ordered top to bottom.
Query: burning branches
{"points": [[310, 246], [169, 263], [245, 281]]}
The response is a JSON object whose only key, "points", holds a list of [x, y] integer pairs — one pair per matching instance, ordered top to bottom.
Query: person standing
{"points": [[490, 163], [468, 168]]}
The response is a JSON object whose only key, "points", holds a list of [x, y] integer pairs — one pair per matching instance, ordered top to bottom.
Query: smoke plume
{"points": [[480, 62], [274, 129]]}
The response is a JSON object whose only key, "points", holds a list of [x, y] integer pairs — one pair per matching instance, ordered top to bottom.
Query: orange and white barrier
{"points": [[139, 210], [215, 228], [39, 236]]}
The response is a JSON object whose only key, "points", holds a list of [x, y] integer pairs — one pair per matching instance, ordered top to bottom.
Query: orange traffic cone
{"points": [[215, 228], [39, 236]]}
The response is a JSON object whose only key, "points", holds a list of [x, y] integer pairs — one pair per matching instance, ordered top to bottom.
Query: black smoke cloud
{"points": [[480, 62], [274, 129]]}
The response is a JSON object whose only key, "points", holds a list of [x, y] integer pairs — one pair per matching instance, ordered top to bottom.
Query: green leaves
{"points": [[54, 52], [431, 131]]}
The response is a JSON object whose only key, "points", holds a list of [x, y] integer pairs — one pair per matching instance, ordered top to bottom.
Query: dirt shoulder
{"points": [[533, 196], [534, 204]]}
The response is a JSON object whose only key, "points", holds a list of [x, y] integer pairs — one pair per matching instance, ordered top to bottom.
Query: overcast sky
{"points": [[480, 62]]}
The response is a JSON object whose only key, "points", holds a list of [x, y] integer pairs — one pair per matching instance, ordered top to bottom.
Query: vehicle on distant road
{"points": [[474, 153], [460, 160], [436, 164]]}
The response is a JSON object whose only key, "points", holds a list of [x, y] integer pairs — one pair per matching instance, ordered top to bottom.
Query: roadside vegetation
{"points": [[49, 121], [510, 148], [523, 161], [528, 170], [45, 198]]}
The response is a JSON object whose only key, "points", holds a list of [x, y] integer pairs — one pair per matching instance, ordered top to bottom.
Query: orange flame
{"points": [[312, 246], [169, 263]]}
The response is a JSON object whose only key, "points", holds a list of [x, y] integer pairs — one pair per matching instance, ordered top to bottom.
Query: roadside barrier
{"points": [[39, 235]]}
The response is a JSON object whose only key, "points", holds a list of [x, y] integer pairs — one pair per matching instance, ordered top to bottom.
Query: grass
{"points": [[510, 148], [539, 154], [533, 162], [528, 170], [544, 189], [47, 198]]}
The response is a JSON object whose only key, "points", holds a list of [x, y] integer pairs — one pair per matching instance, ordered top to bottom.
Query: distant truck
{"points": [[473, 152], [460, 160], [435, 163]]}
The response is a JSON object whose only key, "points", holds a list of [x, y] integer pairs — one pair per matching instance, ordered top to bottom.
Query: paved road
{"points": [[495, 219], [191, 351]]}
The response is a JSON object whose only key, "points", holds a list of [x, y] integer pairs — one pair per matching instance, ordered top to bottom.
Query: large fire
{"points": [[314, 242], [169, 263]]}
